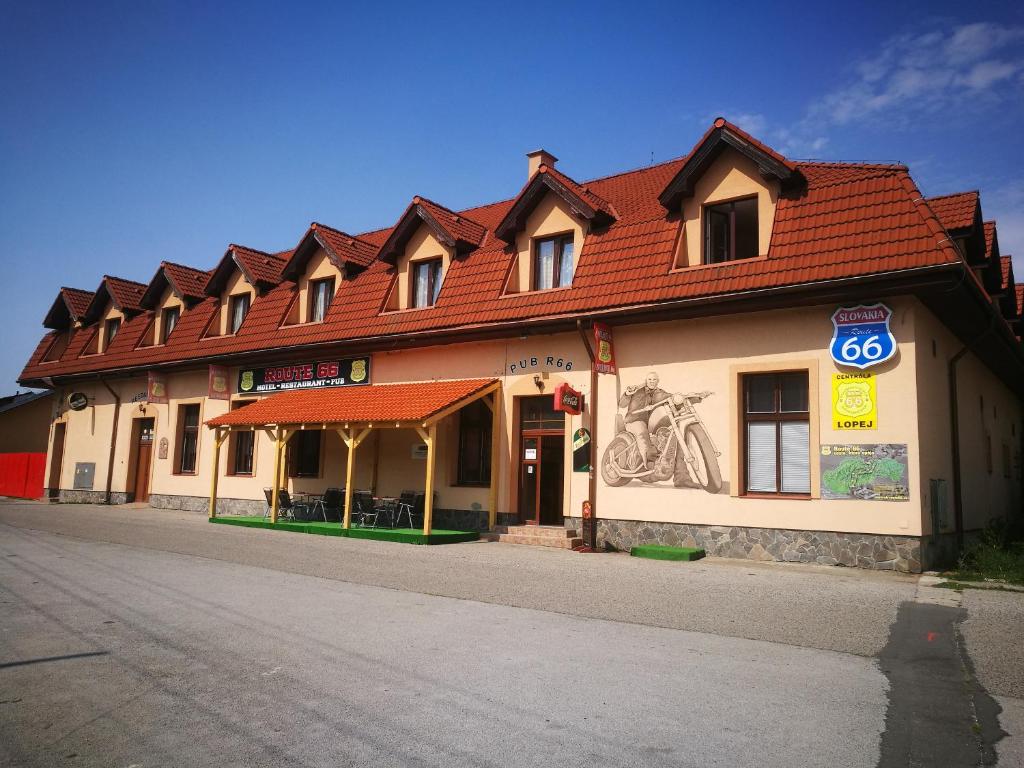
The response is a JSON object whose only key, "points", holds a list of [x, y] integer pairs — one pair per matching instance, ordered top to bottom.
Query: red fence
{"points": [[21, 474]]}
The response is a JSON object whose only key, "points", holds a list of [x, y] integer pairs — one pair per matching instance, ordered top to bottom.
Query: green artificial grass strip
{"points": [[400, 535], [661, 552]]}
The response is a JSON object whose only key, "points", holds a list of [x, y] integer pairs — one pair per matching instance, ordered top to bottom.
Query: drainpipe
{"points": [[954, 417], [113, 438], [592, 479]]}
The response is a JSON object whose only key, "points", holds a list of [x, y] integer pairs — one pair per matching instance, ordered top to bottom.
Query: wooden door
{"points": [[56, 459], [143, 459], [541, 461]]}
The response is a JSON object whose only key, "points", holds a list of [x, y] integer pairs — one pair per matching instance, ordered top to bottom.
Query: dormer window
{"points": [[730, 231], [552, 262], [426, 282], [321, 292], [239, 309], [170, 320], [113, 326]]}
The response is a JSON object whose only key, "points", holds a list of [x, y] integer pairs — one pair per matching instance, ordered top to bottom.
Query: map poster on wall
{"points": [[873, 472]]}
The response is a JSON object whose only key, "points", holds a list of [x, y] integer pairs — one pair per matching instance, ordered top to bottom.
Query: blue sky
{"points": [[136, 132]]}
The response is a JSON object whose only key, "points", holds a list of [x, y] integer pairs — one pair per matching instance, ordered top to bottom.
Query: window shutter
{"points": [[761, 457], [796, 457]]}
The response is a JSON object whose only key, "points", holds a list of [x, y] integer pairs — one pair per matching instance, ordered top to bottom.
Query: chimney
{"points": [[537, 158]]}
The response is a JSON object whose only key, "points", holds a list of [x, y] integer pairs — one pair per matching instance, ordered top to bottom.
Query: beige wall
{"points": [[730, 176], [551, 217], [422, 246], [318, 267], [236, 286], [110, 313], [692, 355], [989, 413], [24, 429]]}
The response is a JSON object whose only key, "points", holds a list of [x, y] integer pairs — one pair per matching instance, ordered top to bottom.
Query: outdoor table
{"points": [[389, 505]]}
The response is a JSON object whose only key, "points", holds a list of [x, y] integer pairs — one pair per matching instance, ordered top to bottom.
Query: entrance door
{"points": [[143, 456], [56, 459], [542, 461]]}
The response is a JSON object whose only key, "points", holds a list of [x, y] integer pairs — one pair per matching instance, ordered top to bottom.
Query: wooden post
{"points": [[497, 403], [218, 438], [430, 438], [352, 441], [284, 457], [277, 476]]}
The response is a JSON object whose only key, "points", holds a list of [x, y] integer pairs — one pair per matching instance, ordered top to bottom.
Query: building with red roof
{"points": [[776, 359]]}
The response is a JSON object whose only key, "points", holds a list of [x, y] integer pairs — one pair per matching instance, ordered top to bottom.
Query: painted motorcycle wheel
{"points": [[617, 450], [705, 471]]}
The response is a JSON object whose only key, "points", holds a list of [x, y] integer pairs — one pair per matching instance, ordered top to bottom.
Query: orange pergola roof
{"points": [[382, 403]]}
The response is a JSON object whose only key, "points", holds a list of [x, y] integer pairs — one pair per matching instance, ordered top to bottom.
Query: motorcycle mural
{"points": [[660, 436]]}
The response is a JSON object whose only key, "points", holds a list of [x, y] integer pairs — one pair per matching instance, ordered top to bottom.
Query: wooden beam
{"points": [[461, 403], [496, 408], [219, 436], [350, 445], [276, 488], [428, 501]]}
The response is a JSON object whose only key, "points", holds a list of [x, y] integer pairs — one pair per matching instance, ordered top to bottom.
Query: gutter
{"points": [[113, 438], [591, 540]]}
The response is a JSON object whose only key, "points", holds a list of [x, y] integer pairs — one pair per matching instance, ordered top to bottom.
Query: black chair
{"points": [[329, 505], [286, 506], [418, 507], [404, 508], [364, 509]]}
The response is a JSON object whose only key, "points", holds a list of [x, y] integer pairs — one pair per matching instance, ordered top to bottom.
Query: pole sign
{"points": [[861, 337], [604, 349], [332, 373], [568, 400]]}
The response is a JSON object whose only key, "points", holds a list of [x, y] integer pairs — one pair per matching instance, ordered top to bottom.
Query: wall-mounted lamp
{"points": [[538, 381], [142, 408]]}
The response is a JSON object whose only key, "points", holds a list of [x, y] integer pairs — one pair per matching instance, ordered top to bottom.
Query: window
{"points": [[730, 231], [552, 263], [426, 282], [321, 293], [239, 309], [171, 315], [113, 326], [776, 433], [188, 438], [244, 442], [475, 444], [304, 454]]}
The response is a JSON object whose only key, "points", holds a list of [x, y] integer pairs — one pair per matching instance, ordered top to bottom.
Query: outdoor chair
{"points": [[329, 505], [285, 506], [405, 507], [364, 509]]}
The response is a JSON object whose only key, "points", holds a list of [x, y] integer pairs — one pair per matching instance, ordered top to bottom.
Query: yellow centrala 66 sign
{"points": [[854, 404]]}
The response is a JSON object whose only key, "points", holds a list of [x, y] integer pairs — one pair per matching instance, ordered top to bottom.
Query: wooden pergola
{"points": [[419, 406]]}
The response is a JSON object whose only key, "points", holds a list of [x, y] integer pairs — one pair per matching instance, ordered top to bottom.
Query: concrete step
{"points": [[547, 531], [538, 541]]}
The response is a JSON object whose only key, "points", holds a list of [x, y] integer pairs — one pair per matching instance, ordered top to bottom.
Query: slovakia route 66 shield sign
{"points": [[861, 336]]}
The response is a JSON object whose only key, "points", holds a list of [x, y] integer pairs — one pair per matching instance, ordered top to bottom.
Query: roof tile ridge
{"points": [[853, 164], [933, 198], [943, 240]]}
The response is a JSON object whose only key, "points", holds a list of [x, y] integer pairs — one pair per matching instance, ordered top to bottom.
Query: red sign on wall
{"points": [[604, 349], [218, 388], [156, 391], [568, 399]]}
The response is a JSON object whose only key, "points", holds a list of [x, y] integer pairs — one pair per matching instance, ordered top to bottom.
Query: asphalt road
{"points": [[139, 637]]}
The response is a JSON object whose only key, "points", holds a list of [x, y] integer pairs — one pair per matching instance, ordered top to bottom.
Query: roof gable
{"points": [[721, 135], [581, 201], [958, 211], [451, 229], [341, 248], [262, 270], [187, 283], [126, 296], [69, 306]]}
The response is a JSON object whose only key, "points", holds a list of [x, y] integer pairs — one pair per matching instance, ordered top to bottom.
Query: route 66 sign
{"points": [[861, 336]]}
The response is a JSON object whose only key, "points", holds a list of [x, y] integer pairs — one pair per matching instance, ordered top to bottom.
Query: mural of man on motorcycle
{"points": [[660, 436]]}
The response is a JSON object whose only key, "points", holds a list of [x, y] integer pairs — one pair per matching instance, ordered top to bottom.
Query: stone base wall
{"points": [[70, 496], [201, 504], [862, 550]]}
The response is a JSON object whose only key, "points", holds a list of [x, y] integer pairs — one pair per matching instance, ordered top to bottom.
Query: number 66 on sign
{"points": [[861, 337]]}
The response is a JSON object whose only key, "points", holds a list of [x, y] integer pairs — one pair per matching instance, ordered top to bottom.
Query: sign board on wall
{"points": [[861, 336], [604, 349], [540, 363], [332, 373], [218, 386], [156, 388], [568, 399], [854, 401], [581, 450], [873, 472]]}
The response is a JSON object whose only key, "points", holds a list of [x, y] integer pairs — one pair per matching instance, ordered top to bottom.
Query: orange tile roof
{"points": [[955, 211], [850, 220], [990, 238], [345, 246], [1006, 265], [188, 282], [1019, 289], [77, 301], [383, 403]]}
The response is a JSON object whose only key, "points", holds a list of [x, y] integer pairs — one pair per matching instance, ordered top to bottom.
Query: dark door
{"points": [[143, 455], [56, 459], [541, 461]]}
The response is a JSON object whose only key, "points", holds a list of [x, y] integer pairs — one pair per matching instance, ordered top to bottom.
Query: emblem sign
{"points": [[861, 337], [330, 373], [568, 399]]}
